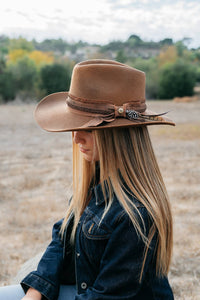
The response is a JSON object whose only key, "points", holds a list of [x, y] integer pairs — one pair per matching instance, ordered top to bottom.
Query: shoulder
{"points": [[118, 214]]}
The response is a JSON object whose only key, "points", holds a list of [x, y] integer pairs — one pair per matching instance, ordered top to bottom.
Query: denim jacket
{"points": [[106, 260]]}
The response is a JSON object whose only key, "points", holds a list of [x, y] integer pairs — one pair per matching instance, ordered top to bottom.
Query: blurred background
{"points": [[40, 42]]}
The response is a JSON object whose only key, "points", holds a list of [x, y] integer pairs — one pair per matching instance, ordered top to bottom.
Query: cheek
{"points": [[89, 140]]}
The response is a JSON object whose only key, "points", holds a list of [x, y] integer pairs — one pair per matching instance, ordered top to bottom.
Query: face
{"points": [[87, 145]]}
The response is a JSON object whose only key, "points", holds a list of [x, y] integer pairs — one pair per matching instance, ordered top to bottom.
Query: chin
{"points": [[88, 158]]}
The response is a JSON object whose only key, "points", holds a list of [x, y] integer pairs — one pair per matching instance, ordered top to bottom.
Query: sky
{"points": [[102, 21]]}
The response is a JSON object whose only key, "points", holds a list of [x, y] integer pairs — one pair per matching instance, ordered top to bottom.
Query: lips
{"points": [[83, 150]]}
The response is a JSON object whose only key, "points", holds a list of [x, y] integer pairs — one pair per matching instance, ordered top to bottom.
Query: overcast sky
{"points": [[101, 21]]}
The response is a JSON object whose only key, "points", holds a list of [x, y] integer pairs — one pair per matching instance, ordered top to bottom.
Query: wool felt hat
{"points": [[102, 94]]}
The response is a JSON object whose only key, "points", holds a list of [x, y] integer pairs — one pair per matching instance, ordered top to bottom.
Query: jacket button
{"points": [[77, 254], [84, 285]]}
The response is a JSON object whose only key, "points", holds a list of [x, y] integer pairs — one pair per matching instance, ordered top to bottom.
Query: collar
{"points": [[97, 193]]}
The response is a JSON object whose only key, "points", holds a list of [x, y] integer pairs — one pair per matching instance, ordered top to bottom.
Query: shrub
{"points": [[150, 67], [25, 74], [198, 75], [55, 78], [176, 80], [7, 86]]}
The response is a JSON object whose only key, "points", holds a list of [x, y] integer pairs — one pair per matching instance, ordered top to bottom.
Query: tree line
{"points": [[31, 69]]}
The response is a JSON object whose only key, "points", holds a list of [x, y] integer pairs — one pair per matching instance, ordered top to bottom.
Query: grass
{"points": [[179, 132], [35, 183]]}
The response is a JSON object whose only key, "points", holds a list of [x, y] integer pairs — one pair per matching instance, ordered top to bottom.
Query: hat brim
{"points": [[52, 114]]}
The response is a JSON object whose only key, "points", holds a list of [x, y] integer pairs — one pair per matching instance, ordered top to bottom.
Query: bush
{"points": [[121, 57], [150, 67], [25, 74], [198, 75], [55, 78], [176, 80], [7, 86]]}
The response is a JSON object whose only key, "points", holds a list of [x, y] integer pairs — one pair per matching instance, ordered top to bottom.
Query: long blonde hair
{"points": [[126, 155]]}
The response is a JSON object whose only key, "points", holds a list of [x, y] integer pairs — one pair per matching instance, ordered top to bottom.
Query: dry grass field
{"points": [[35, 182]]}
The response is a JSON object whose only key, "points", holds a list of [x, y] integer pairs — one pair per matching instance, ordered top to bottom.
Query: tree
{"points": [[134, 40], [166, 42], [21, 43], [4, 44], [54, 45], [113, 46], [180, 47], [15, 55], [167, 55], [121, 57], [41, 58], [150, 67], [25, 74], [198, 75], [55, 78], [176, 80]]}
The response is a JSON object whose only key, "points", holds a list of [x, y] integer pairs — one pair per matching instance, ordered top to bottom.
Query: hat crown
{"points": [[107, 81], [103, 94]]}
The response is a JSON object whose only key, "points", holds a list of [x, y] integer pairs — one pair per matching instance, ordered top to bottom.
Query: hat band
{"points": [[103, 111]]}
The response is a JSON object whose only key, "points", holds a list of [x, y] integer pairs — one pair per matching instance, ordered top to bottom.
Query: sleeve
{"points": [[121, 264], [46, 279]]}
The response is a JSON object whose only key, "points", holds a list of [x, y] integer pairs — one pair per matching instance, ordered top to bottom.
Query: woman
{"points": [[116, 239]]}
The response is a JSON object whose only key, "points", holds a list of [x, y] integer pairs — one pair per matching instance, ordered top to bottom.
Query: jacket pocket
{"points": [[94, 229]]}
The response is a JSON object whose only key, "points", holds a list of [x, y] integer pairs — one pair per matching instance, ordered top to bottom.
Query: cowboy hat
{"points": [[102, 94]]}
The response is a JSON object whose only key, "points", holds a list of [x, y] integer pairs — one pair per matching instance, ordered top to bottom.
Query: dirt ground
{"points": [[35, 182]]}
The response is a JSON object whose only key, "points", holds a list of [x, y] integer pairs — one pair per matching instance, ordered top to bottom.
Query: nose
{"points": [[78, 137]]}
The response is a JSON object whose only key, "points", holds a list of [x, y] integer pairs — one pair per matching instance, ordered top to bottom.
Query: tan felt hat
{"points": [[102, 94]]}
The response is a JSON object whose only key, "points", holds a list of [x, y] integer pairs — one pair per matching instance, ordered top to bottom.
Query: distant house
{"points": [[83, 53]]}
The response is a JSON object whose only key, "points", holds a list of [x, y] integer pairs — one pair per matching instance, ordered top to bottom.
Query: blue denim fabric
{"points": [[106, 260], [11, 292], [15, 292]]}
